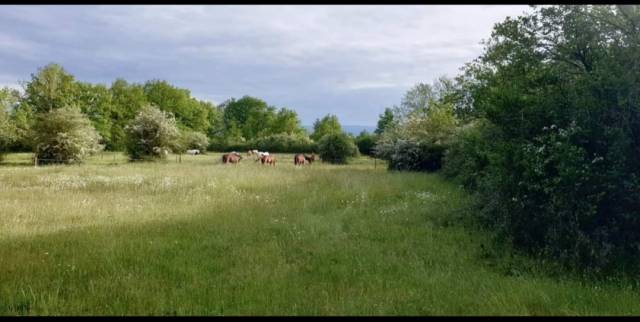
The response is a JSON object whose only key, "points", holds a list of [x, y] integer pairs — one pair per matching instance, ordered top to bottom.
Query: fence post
{"points": [[35, 163], [374, 163]]}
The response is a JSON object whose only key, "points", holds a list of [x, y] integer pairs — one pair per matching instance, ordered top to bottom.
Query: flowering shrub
{"points": [[152, 134], [64, 135]]}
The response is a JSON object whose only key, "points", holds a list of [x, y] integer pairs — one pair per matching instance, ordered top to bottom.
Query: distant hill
{"points": [[353, 129]]}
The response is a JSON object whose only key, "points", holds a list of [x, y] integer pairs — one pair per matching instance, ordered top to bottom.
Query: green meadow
{"points": [[198, 237]]}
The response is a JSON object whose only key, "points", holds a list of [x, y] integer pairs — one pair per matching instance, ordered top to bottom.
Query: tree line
{"points": [[28, 118]]}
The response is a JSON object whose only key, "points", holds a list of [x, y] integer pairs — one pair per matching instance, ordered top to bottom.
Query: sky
{"points": [[351, 61]]}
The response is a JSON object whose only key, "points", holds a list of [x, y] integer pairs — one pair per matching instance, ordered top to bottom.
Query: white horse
{"points": [[193, 152]]}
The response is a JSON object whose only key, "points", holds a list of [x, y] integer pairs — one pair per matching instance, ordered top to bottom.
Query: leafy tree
{"points": [[50, 88], [126, 101], [95, 102], [187, 110], [251, 116], [385, 120], [286, 121], [327, 125], [8, 132], [151, 134], [64, 135], [419, 135], [195, 140], [366, 143], [337, 148], [561, 177]]}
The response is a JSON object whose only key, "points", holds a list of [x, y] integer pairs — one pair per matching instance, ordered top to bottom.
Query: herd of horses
{"points": [[264, 157]]}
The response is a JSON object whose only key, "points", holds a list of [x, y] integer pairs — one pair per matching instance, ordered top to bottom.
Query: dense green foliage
{"points": [[111, 108], [385, 120], [425, 121], [329, 124], [544, 127], [152, 134], [64, 135], [366, 143], [337, 148], [557, 164]]}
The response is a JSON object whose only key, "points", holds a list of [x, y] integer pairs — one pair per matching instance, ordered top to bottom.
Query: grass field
{"points": [[202, 238]]}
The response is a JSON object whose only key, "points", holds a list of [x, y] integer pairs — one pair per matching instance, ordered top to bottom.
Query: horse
{"points": [[193, 152], [252, 152], [260, 155], [231, 158], [298, 159], [310, 159], [268, 160]]}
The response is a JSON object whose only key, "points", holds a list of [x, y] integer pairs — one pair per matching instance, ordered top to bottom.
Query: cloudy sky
{"points": [[351, 61]]}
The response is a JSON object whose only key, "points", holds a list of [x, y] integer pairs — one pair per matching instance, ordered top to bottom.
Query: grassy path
{"points": [[202, 238]]}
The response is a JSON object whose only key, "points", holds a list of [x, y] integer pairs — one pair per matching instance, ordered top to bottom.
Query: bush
{"points": [[152, 134], [64, 135], [192, 140], [366, 142], [337, 148], [411, 155], [467, 156], [562, 178]]}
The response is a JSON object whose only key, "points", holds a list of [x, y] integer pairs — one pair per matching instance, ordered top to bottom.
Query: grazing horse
{"points": [[193, 152], [260, 155], [231, 158], [298, 159], [310, 159], [268, 160]]}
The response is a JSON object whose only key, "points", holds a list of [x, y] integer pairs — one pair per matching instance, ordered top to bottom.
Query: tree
{"points": [[50, 88], [560, 89], [126, 101], [95, 102], [187, 110], [251, 116], [385, 120], [286, 121], [327, 125], [7, 132], [151, 134], [64, 135], [195, 140], [366, 142], [336, 148]]}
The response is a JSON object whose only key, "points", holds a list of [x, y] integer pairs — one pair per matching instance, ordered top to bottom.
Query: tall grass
{"points": [[202, 238]]}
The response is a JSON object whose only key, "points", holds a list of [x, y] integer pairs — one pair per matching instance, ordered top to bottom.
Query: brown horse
{"points": [[231, 158], [268, 159], [298, 159], [310, 159]]}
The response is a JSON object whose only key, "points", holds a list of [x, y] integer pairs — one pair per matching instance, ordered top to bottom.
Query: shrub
{"points": [[152, 134], [64, 135], [193, 140], [366, 142], [337, 148], [410, 155], [467, 155]]}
